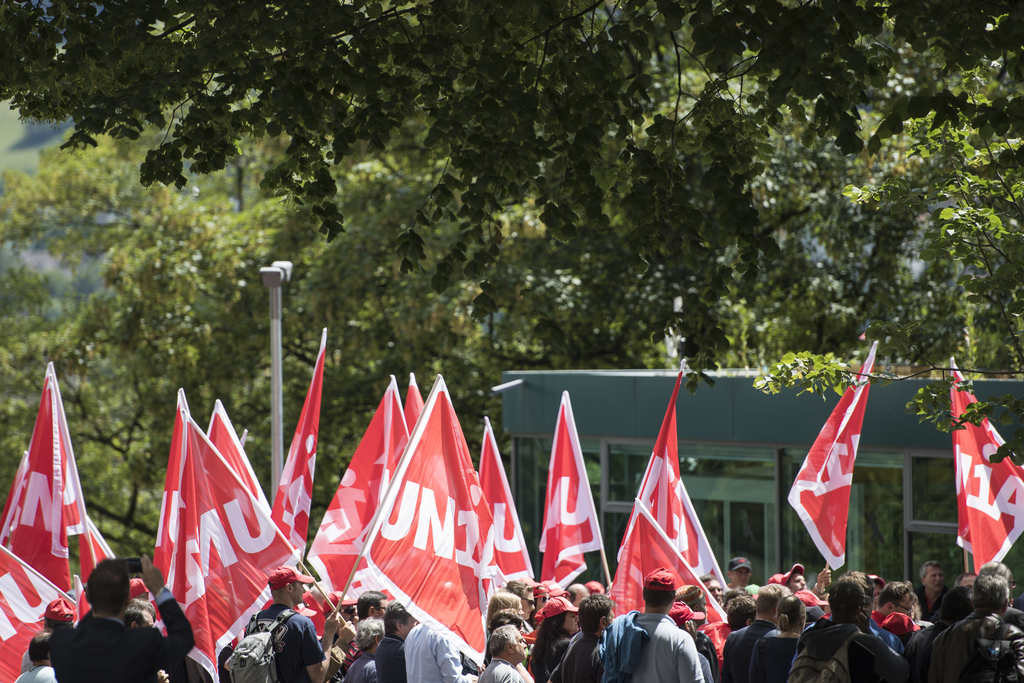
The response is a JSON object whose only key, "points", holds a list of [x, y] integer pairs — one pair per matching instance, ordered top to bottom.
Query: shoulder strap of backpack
{"points": [[281, 619]]}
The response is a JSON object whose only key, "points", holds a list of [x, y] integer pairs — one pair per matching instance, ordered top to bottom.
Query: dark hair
{"points": [[866, 583], [520, 588], [107, 589], [894, 592], [991, 592], [732, 593], [844, 596], [659, 599], [367, 600], [956, 604], [136, 608], [593, 608], [739, 611], [395, 615], [506, 617], [54, 625], [550, 632], [39, 646]]}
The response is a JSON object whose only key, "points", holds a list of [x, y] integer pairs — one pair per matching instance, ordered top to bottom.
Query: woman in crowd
{"points": [[557, 626], [774, 653]]}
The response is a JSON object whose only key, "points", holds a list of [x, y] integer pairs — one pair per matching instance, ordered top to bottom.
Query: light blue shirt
{"points": [[670, 656], [431, 658]]}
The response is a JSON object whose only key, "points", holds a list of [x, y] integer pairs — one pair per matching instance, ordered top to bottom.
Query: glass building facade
{"points": [[739, 452]]}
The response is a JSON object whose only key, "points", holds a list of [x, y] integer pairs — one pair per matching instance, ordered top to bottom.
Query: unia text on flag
{"points": [[413, 402], [223, 436], [821, 492], [295, 493], [663, 493], [989, 495], [45, 504], [570, 518], [342, 531], [432, 540], [216, 542], [646, 547], [510, 551], [24, 595]]}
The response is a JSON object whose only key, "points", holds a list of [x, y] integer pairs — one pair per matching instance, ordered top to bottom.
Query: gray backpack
{"points": [[253, 658]]}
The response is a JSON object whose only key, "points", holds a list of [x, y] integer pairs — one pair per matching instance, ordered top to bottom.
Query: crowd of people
{"points": [[785, 630]]}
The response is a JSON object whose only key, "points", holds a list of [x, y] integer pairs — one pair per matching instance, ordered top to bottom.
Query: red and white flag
{"points": [[413, 402], [222, 435], [662, 492], [821, 492], [295, 493], [989, 495], [45, 504], [570, 518], [342, 532], [432, 540], [216, 542], [647, 547], [92, 549], [510, 551], [24, 595]]}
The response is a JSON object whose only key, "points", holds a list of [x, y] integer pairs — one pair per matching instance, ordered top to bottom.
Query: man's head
{"points": [[998, 569], [739, 572], [932, 577], [794, 579], [965, 579], [862, 580], [287, 585], [713, 585], [107, 590], [659, 591], [577, 592], [991, 592], [897, 596], [693, 597], [768, 599], [371, 604], [850, 604], [956, 605], [596, 612], [740, 612], [60, 613], [139, 614], [397, 620], [368, 633], [506, 642], [39, 648]]}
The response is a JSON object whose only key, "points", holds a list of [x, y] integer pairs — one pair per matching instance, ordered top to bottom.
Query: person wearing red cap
{"points": [[594, 587], [59, 614], [557, 625], [100, 648], [669, 655], [301, 658]]}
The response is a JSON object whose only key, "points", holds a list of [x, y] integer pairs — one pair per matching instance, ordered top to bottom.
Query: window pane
{"points": [[626, 466], [934, 488]]}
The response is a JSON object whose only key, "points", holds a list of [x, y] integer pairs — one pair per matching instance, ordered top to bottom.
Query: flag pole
{"points": [[604, 564]]}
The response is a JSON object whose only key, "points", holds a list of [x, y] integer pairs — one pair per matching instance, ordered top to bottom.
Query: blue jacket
{"points": [[620, 648]]}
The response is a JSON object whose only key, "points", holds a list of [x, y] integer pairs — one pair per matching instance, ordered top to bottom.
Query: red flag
{"points": [[413, 402], [222, 435], [662, 492], [821, 492], [295, 493], [989, 495], [45, 504], [570, 518], [342, 532], [432, 539], [216, 542], [646, 547], [92, 548], [510, 551], [24, 595], [82, 605]]}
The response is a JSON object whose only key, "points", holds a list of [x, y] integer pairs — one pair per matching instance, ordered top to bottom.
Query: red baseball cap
{"points": [[795, 569], [282, 576], [661, 579], [877, 579], [136, 587], [594, 587], [554, 590], [810, 599], [555, 606], [60, 610], [681, 613], [898, 624]]}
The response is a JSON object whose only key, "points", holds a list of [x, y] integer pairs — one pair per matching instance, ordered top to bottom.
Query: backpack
{"points": [[253, 658], [993, 661], [836, 669]]}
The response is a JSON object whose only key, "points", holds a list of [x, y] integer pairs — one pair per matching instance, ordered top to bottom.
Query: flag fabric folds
{"points": [[413, 402], [222, 435], [295, 492], [821, 492], [663, 493], [989, 495], [45, 504], [570, 518], [342, 531], [431, 541], [216, 542], [646, 547], [92, 549], [510, 551], [24, 595]]}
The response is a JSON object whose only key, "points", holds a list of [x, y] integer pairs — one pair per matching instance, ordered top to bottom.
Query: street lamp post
{"points": [[275, 275]]}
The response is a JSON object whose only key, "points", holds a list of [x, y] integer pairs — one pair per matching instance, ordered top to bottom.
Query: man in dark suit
{"points": [[739, 646], [102, 650], [391, 651]]}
